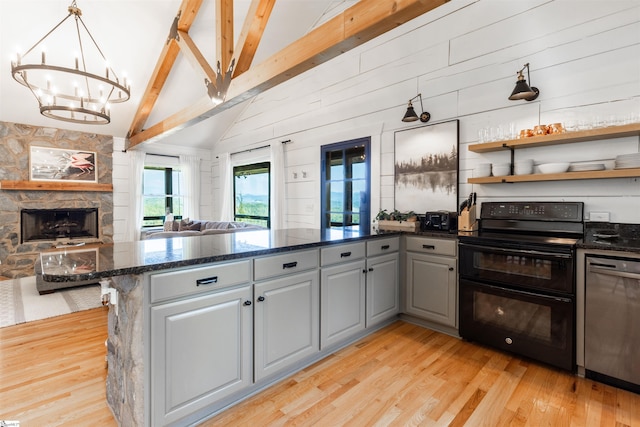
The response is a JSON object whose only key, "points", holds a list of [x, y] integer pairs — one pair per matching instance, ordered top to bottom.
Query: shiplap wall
{"points": [[463, 58]]}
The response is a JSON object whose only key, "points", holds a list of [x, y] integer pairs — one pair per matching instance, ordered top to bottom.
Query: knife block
{"points": [[467, 219]]}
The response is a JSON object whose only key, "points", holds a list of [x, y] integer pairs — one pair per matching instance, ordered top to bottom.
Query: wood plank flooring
{"points": [[52, 373]]}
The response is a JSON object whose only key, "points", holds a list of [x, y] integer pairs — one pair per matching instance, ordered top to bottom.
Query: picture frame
{"points": [[58, 164], [426, 168]]}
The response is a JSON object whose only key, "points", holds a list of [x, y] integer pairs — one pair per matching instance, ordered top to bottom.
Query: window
{"points": [[345, 185], [161, 193], [252, 195]]}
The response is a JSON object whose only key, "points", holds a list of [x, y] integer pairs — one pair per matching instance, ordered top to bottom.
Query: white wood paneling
{"points": [[463, 58]]}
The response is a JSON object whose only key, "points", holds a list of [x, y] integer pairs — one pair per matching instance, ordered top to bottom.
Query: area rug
{"points": [[20, 301]]}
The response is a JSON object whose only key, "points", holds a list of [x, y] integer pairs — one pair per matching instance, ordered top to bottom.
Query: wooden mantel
{"points": [[54, 186]]}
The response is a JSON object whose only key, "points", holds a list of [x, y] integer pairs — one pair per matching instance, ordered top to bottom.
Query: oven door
{"points": [[512, 265], [533, 325]]}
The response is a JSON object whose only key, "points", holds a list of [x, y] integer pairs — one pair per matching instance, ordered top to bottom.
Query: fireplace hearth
{"points": [[56, 224]]}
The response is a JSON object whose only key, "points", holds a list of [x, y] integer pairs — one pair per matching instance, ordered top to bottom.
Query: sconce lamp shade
{"points": [[522, 89], [411, 116]]}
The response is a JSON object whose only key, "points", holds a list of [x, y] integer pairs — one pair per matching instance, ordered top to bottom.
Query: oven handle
{"points": [[518, 251], [530, 294]]}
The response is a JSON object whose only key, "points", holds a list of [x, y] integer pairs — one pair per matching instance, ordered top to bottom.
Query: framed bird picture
{"points": [[56, 164]]}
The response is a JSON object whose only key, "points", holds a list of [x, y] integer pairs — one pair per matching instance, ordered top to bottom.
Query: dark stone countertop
{"points": [[611, 237], [139, 257]]}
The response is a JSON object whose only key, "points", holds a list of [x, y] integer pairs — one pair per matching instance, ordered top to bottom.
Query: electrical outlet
{"points": [[599, 216]]}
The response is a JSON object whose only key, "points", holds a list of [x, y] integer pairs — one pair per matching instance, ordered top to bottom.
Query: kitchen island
{"points": [[168, 286]]}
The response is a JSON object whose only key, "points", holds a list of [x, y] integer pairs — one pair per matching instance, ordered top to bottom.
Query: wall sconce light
{"points": [[522, 89], [411, 116]]}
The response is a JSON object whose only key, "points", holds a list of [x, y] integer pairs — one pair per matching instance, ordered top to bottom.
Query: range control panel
{"points": [[539, 211]]}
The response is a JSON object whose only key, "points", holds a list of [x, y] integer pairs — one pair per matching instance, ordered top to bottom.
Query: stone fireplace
{"points": [[34, 219], [55, 224]]}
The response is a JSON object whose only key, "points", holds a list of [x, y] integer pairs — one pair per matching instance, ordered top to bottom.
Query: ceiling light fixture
{"points": [[522, 89], [72, 94], [411, 116]]}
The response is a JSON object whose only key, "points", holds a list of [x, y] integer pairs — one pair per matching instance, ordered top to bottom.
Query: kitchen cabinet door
{"points": [[432, 288], [383, 290], [342, 302], [286, 325], [201, 351]]}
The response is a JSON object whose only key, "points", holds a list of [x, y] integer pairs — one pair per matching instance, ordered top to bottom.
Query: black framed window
{"points": [[346, 186], [252, 193], [161, 195]]}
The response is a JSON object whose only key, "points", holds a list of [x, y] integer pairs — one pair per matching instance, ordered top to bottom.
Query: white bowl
{"points": [[523, 167], [554, 167], [501, 169], [482, 170]]}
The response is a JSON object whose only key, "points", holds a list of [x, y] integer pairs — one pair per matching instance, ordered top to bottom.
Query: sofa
{"points": [[186, 227]]}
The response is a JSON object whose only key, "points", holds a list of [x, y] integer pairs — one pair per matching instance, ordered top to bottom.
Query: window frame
{"points": [[253, 167], [168, 195], [365, 214]]}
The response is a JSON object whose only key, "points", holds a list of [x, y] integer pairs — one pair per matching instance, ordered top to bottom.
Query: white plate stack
{"points": [[628, 161], [585, 167]]}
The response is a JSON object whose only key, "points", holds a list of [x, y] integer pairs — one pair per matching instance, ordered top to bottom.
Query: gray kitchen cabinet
{"points": [[383, 286], [431, 288], [342, 292], [286, 311], [201, 351]]}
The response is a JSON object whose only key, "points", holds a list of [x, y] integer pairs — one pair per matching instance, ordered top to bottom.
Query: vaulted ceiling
{"points": [[170, 51]]}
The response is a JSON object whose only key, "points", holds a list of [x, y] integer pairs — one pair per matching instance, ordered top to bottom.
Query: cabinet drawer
{"points": [[383, 246], [432, 246], [341, 253], [280, 265], [198, 280]]}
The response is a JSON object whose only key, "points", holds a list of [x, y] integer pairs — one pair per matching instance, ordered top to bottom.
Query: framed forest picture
{"points": [[426, 168]]}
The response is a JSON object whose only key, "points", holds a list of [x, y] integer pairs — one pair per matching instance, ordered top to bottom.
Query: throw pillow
{"points": [[185, 224], [168, 226]]}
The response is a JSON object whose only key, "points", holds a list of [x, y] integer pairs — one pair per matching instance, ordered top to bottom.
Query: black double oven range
{"points": [[517, 289]]}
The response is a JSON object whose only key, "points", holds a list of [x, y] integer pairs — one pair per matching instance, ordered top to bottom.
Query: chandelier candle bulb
{"points": [[43, 58]]}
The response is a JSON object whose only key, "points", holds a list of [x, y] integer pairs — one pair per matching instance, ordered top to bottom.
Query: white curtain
{"points": [[136, 171], [190, 185], [278, 186], [226, 192]]}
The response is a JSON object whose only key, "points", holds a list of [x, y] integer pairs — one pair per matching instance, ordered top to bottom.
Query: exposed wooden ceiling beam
{"points": [[186, 15], [360, 23], [224, 33], [251, 34], [195, 58]]}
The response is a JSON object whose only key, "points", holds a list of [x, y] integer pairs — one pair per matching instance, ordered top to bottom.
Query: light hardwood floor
{"points": [[52, 372]]}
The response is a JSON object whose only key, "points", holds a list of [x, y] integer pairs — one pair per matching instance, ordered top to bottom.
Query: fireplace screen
{"points": [[53, 224]]}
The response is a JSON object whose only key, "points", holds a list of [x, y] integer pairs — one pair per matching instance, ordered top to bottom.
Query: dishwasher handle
{"points": [[609, 269]]}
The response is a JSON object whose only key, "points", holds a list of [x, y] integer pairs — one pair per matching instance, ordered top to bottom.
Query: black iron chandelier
{"points": [[72, 94]]}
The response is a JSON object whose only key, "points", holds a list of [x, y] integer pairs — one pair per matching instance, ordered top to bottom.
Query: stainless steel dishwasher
{"points": [[612, 321]]}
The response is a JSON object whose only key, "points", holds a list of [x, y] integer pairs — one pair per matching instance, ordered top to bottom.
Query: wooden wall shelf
{"points": [[561, 138], [615, 173], [55, 186]]}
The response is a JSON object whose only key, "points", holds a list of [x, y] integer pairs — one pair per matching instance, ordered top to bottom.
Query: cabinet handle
{"points": [[383, 247], [428, 247], [345, 254], [289, 264], [370, 268], [450, 268], [364, 271], [207, 281], [260, 298], [247, 302]]}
